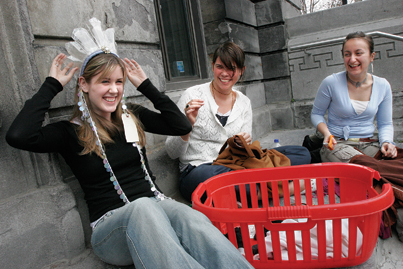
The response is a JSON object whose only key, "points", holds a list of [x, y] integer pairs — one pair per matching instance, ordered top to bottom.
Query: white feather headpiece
{"points": [[88, 44]]}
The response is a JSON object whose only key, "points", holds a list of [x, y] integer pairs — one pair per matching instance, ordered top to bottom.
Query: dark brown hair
{"points": [[362, 35], [229, 53]]}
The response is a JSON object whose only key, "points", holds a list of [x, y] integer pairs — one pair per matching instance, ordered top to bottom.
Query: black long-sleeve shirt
{"points": [[27, 133]]}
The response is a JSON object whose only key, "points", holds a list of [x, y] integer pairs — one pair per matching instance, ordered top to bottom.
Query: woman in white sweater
{"points": [[216, 112]]}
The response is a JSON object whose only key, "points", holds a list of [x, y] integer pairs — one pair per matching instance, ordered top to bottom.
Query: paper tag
{"points": [[130, 128]]}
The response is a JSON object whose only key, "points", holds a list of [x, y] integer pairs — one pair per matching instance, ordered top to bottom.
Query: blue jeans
{"points": [[297, 154], [192, 176], [163, 234]]}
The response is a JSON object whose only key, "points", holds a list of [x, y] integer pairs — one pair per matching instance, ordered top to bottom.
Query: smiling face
{"points": [[357, 58], [225, 78], [104, 92]]}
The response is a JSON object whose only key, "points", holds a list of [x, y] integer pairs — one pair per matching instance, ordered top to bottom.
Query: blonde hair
{"points": [[103, 64]]}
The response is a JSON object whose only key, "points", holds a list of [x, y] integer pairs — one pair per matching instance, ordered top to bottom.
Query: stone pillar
{"points": [[270, 17]]}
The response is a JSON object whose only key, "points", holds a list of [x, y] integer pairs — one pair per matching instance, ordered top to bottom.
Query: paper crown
{"points": [[89, 44]]}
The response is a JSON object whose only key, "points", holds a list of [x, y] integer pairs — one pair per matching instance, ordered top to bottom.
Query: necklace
{"points": [[212, 83], [356, 84], [232, 97], [86, 117]]}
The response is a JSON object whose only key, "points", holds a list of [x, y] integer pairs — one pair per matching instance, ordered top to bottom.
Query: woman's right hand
{"points": [[62, 75], [192, 109], [322, 128], [327, 143]]}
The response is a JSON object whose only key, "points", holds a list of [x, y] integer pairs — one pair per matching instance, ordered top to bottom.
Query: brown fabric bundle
{"points": [[247, 156], [391, 171]]}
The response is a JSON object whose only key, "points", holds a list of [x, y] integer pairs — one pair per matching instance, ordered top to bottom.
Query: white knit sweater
{"points": [[208, 135]]}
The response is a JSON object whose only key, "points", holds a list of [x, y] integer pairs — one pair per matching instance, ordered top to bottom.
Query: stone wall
{"points": [[236, 21], [259, 28], [44, 215], [40, 219]]}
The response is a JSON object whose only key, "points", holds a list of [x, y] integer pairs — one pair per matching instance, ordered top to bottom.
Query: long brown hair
{"points": [[103, 64]]}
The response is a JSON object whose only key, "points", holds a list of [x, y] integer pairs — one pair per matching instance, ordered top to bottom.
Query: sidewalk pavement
{"points": [[387, 255]]}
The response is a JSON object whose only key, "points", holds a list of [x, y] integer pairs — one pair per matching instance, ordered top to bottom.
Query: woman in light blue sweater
{"points": [[353, 98]]}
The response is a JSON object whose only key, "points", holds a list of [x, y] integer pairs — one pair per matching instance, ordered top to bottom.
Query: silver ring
{"points": [[57, 64]]}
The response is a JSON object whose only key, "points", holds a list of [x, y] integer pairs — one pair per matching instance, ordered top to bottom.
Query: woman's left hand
{"points": [[135, 73], [63, 75], [245, 136], [388, 150]]}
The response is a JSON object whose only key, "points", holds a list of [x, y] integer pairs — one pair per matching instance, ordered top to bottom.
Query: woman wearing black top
{"points": [[103, 143]]}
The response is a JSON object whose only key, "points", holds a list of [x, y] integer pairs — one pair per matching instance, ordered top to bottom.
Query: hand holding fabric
{"points": [[246, 136], [388, 150]]}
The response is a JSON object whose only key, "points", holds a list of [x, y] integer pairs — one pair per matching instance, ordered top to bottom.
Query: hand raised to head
{"points": [[135, 73], [62, 75]]}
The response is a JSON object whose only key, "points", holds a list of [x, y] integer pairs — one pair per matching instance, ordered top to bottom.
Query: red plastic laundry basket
{"points": [[358, 203]]}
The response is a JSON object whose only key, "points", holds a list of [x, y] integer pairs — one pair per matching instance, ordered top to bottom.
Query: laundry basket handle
{"points": [[375, 204], [288, 212]]}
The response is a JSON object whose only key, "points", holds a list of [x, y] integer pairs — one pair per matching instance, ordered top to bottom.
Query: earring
{"points": [[372, 68], [124, 107]]}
